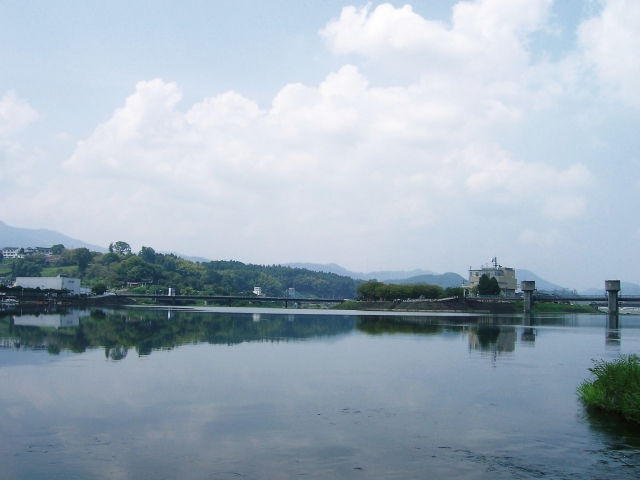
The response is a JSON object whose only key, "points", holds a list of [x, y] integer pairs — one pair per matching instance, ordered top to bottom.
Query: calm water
{"points": [[181, 394]]}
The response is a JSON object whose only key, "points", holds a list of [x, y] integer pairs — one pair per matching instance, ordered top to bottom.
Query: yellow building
{"points": [[505, 276]]}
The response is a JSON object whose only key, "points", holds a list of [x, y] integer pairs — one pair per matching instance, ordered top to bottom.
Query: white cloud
{"points": [[611, 44], [15, 116], [328, 168]]}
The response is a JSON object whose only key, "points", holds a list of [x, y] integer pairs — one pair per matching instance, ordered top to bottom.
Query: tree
{"points": [[122, 248], [57, 249], [148, 254], [82, 256], [28, 267], [488, 285], [99, 288]]}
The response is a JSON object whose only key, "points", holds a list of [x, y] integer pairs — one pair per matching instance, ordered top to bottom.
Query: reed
{"points": [[616, 387]]}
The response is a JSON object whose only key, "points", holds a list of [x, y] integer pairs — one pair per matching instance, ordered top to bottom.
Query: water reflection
{"points": [[55, 320], [145, 330], [613, 331], [528, 336], [492, 339], [387, 397]]}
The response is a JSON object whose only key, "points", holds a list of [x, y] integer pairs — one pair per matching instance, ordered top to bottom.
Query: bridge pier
{"points": [[528, 287], [613, 288]]}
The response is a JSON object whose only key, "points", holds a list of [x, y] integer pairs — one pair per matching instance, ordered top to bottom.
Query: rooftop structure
{"points": [[505, 276]]}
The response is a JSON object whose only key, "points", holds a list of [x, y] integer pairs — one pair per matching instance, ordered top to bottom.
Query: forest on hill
{"points": [[148, 271]]}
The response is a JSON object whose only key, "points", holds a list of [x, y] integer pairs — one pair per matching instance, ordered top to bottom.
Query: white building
{"points": [[10, 252], [505, 276], [50, 283]]}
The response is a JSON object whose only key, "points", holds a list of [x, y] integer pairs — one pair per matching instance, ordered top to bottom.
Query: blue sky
{"points": [[378, 136]]}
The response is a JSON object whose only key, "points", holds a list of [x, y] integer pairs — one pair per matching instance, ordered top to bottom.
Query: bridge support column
{"points": [[528, 287], [613, 288]]}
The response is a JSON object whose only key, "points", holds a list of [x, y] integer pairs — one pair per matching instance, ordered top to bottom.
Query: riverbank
{"points": [[454, 305], [464, 305]]}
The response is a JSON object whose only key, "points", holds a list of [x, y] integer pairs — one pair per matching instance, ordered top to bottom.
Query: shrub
{"points": [[616, 387]]}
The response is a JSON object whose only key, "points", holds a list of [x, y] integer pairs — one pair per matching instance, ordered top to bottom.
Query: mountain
{"points": [[29, 237], [187, 257], [381, 276], [445, 280], [541, 283], [626, 288]]}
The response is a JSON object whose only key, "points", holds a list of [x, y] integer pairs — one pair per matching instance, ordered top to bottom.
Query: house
{"points": [[10, 252], [505, 276]]}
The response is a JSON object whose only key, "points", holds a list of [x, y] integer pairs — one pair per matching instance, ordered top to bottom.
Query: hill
{"points": [[29, 237], [149, 272], [381, 276], [444, 280], [541, 283], [626, 288]]}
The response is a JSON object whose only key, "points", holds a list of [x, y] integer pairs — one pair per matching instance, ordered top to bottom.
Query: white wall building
{"points": [[10, 252], [505, 276], [52, 283]]}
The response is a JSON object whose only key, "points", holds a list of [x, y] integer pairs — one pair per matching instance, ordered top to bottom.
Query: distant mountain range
{"points": [[29, 237], [187, 257], [382, 276], [445, 280], [541, 283], [626, 288]]}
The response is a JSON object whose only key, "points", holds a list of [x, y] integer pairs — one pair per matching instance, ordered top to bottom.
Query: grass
{"points": [[54, 271], [616, 387]]}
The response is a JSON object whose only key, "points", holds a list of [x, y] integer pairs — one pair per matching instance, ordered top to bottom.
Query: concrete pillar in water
{"points": [[528, 287], [613, 288], [613, 330]]}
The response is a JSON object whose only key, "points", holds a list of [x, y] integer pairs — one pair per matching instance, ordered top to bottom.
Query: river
{"points": [[231, 393]]}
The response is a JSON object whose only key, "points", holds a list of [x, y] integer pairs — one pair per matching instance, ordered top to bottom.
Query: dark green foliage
{"points": [[121, 248], [57, 249], [148, 254], [81, 257], [30, 266], [157, 271], [488, 285], [99, 288], [375, 290], [454, 292], [616, 387]]}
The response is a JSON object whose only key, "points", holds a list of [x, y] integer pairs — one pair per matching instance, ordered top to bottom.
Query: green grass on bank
{"points": [[54, 271], [616, 387]]}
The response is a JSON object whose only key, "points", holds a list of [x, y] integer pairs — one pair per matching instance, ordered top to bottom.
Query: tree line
{"points": [[149, 271], [377, 291]]}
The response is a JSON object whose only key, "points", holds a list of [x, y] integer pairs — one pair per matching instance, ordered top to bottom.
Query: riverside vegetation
{"points": [[151, 272], [616, 387]]}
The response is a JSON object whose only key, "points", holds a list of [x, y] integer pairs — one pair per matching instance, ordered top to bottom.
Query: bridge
{"points": [[231, 298], [612, 298]]}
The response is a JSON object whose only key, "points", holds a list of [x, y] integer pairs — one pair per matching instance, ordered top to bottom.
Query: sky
{"points": [[378, 136]]}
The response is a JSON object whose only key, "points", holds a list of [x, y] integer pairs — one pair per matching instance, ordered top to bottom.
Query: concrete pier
{"points": [[528, 287], [613, 289]]}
